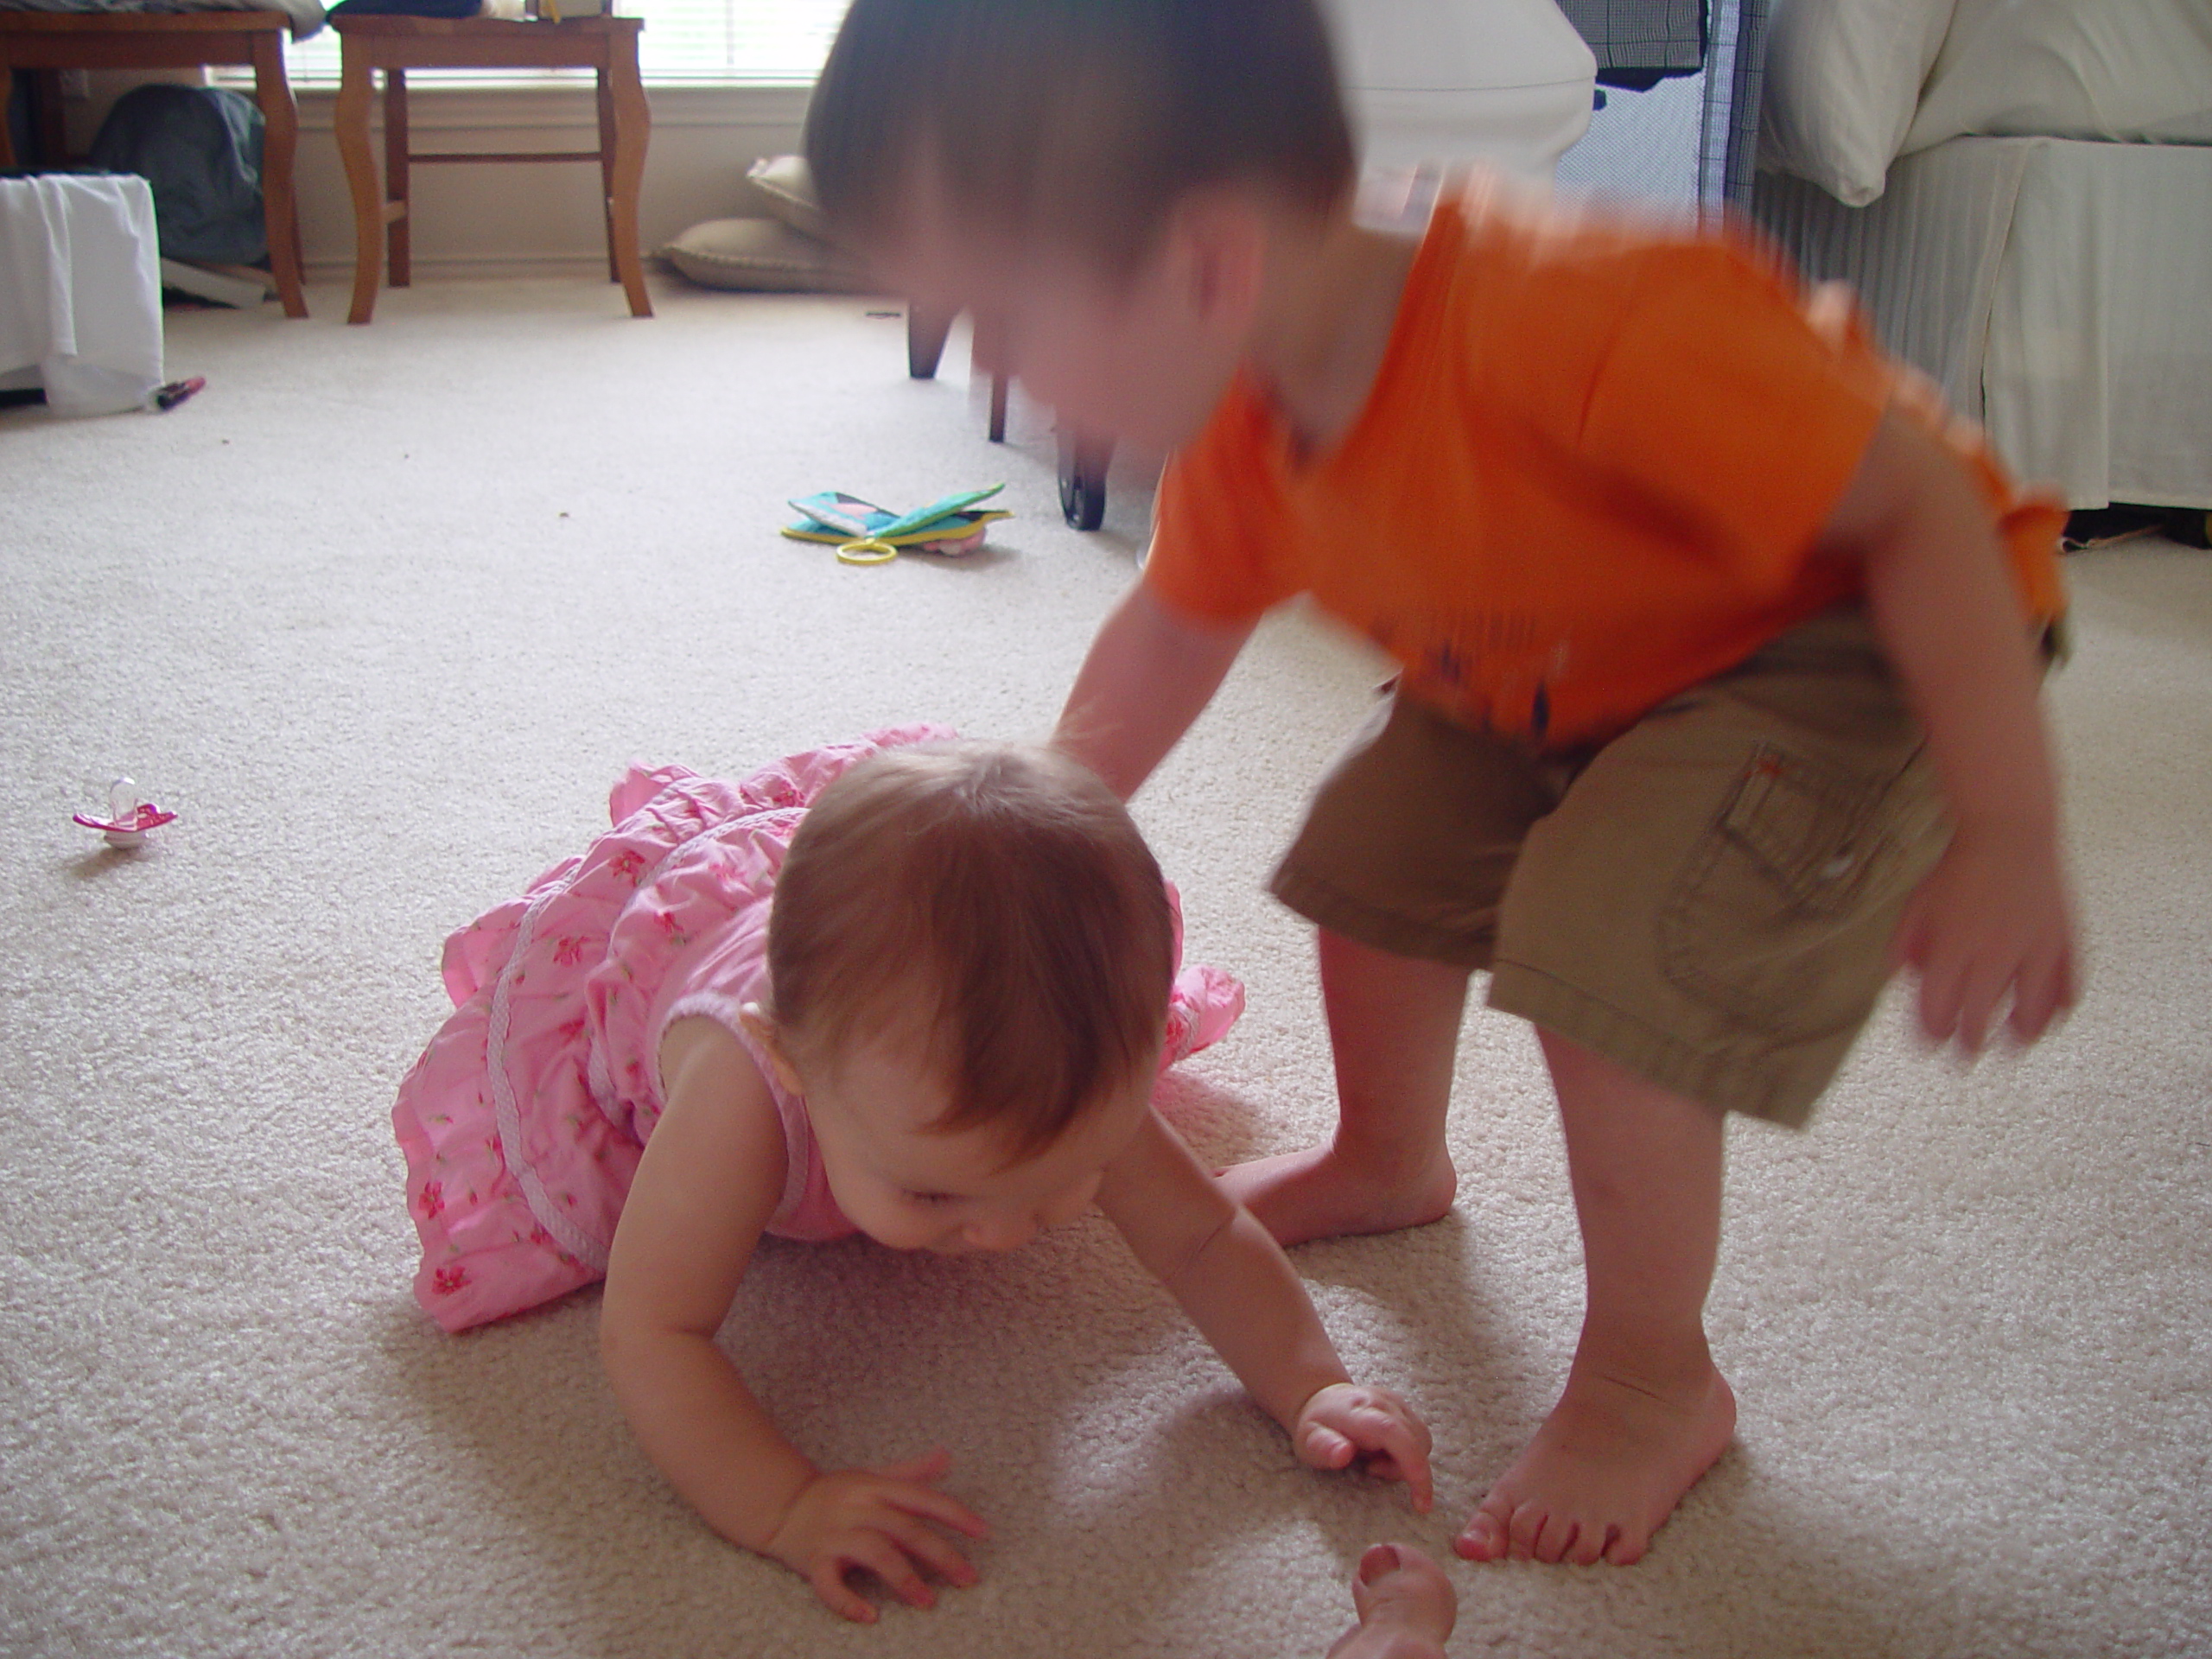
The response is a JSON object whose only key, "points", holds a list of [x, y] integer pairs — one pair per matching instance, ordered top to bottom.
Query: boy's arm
{"points": [[1151, 670], [1993, 919], [710, 1178], [1233, 1280]]}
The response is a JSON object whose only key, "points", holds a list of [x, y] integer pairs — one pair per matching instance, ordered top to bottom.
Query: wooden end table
{"points": [[125, 39], [607, 46]]}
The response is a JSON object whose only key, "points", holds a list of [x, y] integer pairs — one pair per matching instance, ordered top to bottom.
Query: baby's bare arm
{"points": [[1150, 673], [711, 1177], [709, 1183], [1228, 1273], [1240, 1290]]}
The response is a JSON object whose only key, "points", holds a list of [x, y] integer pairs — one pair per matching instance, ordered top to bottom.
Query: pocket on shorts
{"points": [[1782, 914]]}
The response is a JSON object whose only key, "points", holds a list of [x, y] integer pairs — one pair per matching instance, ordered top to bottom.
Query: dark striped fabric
{"points": [[1638, 41], [1728, 137]]}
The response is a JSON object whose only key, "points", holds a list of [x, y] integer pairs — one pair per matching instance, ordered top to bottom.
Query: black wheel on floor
{"points": [[1082, 480]]}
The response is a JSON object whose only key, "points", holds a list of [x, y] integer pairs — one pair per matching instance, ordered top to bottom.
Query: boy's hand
{"points": [[1991, 921], [1346, 1420], [874, 1518]]}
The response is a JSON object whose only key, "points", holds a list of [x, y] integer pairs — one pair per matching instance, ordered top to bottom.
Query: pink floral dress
{"points": [[524, 1120]]}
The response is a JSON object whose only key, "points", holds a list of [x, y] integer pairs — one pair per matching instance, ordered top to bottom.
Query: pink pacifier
{"points": [[128, 817]]}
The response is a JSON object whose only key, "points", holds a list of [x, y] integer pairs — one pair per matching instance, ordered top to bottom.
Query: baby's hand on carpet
{"points": [[1348, 1421], [875, 1519]]}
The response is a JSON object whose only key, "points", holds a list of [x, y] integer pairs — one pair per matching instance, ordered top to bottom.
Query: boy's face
{"points": [[1141, 358]]}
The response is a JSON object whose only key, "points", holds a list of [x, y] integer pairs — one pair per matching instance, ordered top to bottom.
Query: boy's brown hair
{"points": [[1079, 123], [995, 902]]}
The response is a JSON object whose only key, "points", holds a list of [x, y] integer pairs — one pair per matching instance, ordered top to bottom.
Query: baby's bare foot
{"points": [[1318, 1193], [1605, 1470], [1405, 1607]]}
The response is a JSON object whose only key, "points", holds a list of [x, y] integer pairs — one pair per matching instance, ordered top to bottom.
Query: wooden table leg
{"points": [[7, 97], [350, 121], [633, 125], [53, 138], [279, 148], [606, 168], [398, 184], [925, 336], [984, 348]]}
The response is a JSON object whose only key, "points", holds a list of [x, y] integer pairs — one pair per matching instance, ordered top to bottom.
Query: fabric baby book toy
{"points": [[864, 533]]}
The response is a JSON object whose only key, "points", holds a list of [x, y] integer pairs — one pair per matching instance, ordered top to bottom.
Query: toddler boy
{"points": [[1718, 641]]}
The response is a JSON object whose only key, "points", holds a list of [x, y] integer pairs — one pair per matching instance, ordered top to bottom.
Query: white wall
{"points": [[496, 220]]}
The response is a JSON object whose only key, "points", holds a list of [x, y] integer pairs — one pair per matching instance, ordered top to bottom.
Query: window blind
{"points": [[734, 40], [684, 41]]}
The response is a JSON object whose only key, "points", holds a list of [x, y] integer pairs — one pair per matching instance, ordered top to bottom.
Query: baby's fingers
{"points": [[1385, 1432], [1320, 1447], [1400, 1452], [929, 1466], [1414, 1473], [911, 1486], [930, 1505], [931, 1549], [882, 1555], [828, 1578]]}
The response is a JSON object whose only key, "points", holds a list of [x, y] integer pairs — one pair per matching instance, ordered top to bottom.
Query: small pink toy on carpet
{"points": [[128, 817]]}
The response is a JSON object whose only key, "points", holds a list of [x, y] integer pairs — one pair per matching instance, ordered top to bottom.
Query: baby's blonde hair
{"points": [[994, 902]]}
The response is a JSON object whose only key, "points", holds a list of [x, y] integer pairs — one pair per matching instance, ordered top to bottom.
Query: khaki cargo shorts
{"points": [[1710, 899]]}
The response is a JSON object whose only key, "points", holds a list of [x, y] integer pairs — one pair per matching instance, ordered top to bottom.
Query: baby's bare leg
{"points": [[1394, 1027], [1644, 1412], [1405, 1607]]}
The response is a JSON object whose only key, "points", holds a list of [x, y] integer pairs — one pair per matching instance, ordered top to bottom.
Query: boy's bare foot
{"points": [[1319, 1193], [1605, 1470], [1405, 1607]]}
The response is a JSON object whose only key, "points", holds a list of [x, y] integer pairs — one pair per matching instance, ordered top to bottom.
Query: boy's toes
{"points": [[1525, 1534], [1538, 1535], [1556, 1537], [1485, 1538], [1589, 1545], [1625, 1549], [1377, 1564], [1397, 1585]]}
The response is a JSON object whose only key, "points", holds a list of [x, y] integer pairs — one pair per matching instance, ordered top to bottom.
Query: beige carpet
{"points": [[381, 614]]}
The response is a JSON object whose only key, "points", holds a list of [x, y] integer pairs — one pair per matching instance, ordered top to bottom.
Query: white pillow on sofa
{"points": [[1843, 79]]}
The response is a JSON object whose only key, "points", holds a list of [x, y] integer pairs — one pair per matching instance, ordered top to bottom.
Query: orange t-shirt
{"points": [[1590, 474]]}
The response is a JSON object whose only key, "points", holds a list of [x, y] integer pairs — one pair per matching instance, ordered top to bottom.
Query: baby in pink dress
{"points": [[905, 986]]}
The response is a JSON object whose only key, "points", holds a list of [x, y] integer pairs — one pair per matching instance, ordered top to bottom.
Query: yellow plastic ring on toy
{"points": [[866, 551]]}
